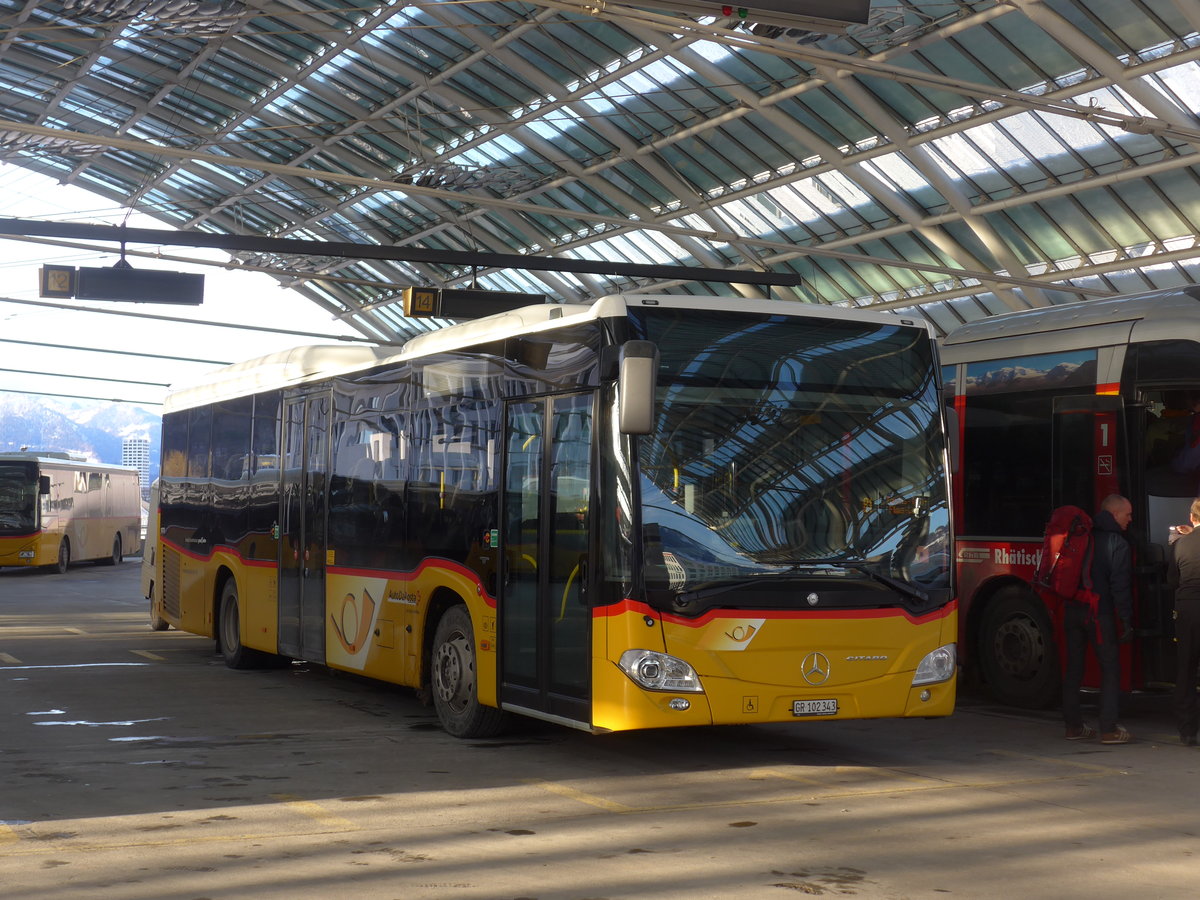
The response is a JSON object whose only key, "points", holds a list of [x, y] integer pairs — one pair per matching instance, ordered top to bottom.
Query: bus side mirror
{"points": [[636, 380], [44, 485]]}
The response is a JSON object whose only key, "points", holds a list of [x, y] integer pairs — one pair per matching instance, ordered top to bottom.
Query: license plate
{"points": [[814, 707]]}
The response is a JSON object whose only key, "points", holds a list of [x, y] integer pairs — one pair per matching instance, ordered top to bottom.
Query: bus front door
{"points": [[302, 528], [544, 617]]}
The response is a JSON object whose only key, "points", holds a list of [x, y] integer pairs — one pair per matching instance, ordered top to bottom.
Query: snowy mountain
{"points": [[92, 429]]}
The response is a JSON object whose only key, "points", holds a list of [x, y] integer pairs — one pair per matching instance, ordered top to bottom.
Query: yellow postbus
{"points": [[56, 509], [648, 511]]}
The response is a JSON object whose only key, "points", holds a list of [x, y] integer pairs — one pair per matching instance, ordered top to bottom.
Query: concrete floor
{"points": [[135, 766]]}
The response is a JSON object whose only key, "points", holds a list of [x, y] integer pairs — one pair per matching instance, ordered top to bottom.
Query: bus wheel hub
{"points": [[1018, 647], [448, 670]]}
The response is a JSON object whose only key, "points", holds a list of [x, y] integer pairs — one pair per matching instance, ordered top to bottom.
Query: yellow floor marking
{"points": [[71, 630], [147, 654], [4, 657], [590, 799], [314, 811]]}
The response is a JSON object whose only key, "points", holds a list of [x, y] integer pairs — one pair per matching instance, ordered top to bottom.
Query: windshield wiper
{"points": [[896, 584], [684, 598]]}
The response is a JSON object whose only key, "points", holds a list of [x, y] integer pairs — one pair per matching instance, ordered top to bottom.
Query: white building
{"points": [[136, 452]]}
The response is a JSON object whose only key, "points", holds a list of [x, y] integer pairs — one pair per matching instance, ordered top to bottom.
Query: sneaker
{"points": [[1080, 732], [1119, 736]]}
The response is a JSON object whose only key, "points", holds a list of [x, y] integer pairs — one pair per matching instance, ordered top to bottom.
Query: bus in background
{"points": [[1065, 405], [56, 509], [646, 512]]}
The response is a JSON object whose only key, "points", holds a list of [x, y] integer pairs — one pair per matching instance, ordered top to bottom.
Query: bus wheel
{"points": [[117, 555], [64, 557], [157, 622], [229, 632], [1017, 654], [454, 680]]}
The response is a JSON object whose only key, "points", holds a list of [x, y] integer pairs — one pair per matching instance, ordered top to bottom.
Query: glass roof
{"points": [[948, 158]]}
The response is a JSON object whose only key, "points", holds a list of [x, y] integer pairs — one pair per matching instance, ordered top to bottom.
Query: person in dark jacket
{"points": [[1183, 577], [1112, 580]]}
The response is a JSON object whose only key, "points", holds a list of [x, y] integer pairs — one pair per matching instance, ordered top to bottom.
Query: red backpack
{"points": [[1065, 569]]}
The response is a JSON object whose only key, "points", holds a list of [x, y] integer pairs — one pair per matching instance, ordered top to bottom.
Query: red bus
{"points": [[1061, 405]]}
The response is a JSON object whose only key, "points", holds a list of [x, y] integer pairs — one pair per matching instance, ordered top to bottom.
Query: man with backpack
{"points": [[1095, 623]]}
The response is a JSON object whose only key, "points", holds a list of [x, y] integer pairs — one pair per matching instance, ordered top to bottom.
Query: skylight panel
{"points": [[1183, 81], [1029, 132], [999, 148], [963, 155], [898, 172], [790, 208], [747, 218]]}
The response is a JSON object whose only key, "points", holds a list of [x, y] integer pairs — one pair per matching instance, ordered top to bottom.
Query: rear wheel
{"points": [[117, 554], [157, 622], [1017, 653], [455, 691]]}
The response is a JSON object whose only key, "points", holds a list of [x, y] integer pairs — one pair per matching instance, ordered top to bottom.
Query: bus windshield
{"points": [[792, 448], [18, 497]]}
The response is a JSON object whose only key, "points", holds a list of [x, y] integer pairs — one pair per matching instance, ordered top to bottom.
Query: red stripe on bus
{"points": [[200, 557], [636, 606]]}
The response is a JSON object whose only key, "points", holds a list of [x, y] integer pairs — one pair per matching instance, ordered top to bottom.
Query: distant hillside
{"points": [[92, 429]]}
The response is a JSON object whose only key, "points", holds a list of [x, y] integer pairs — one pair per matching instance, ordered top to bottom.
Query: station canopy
{"points": [[952, 159]]}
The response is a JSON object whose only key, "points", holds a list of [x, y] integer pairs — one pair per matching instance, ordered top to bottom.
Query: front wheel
{"points": [[64, 557], [1017, 654], [455, 694]]}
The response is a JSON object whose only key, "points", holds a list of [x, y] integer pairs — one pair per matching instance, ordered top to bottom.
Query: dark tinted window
{"points": [[199, 439], [231, 439], [174, 445], [1006, 452]]}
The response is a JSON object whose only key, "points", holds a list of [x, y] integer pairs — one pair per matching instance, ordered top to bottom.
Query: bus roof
{"points": [[1161, 315], [303, 364], [57, 458]]}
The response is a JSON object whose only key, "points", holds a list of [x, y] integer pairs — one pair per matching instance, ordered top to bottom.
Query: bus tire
{"points": [[117, 554], [64, 557], [157, 622], [229, 632], [1018, 657], [454, 680]]}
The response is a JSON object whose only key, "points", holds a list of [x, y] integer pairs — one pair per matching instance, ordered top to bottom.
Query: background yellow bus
{"points": [[55, 510], [645, 512]]}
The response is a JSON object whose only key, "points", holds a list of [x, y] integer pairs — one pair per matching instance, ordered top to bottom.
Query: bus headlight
{"points": [[937, 666], [659, 672]]}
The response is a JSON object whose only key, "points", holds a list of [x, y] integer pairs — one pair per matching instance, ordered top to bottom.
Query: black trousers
{"points": [[1079, 632], [1187, 657]]}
